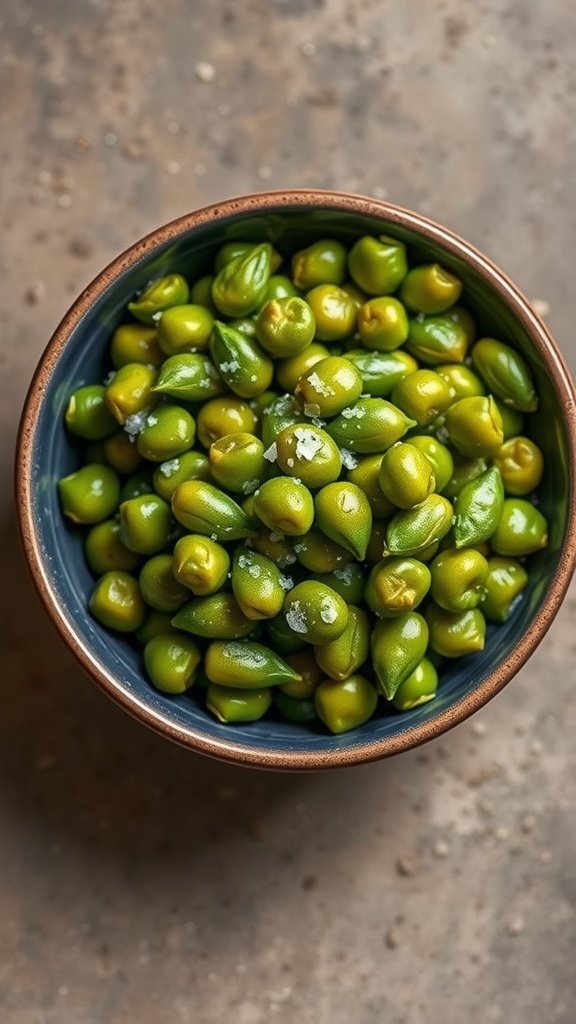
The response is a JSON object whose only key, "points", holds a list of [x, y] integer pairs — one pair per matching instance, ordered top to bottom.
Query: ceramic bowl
{"points": [[76, 354]]}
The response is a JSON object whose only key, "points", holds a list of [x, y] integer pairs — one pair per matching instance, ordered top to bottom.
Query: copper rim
{"points": [[229, 750]]}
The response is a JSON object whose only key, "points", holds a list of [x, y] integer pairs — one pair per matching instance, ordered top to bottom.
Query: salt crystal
{"points": [[230, 367], [319, 385], [311, 409], [353, 412], [135, 423], [308, 444], [271, 453], [349, 460], [290, 463], [169, 468], [249, 486], [275, 536], [243, 561], [254, 571], [344, 574], [286, 582], [328, 612], [296, 618]]}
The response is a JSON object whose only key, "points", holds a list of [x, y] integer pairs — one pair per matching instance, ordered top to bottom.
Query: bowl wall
{"points": [[77, 355]]}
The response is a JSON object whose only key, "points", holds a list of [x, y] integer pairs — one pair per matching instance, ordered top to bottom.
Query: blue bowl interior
{"points": [[54, 455]]}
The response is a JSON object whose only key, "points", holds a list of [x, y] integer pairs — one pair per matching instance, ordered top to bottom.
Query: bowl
{"points": [[75, 355]]}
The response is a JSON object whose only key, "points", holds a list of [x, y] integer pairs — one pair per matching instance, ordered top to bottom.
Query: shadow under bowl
{"points": [[76, 355]]}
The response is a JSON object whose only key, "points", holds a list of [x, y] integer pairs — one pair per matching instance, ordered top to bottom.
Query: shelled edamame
{"points": [[305, 482]]}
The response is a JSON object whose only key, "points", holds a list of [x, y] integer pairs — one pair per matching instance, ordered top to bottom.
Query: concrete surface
{"points": [[140, 884]]}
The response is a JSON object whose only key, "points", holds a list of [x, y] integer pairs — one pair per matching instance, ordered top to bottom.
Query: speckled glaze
{"points": [[75, 355]]}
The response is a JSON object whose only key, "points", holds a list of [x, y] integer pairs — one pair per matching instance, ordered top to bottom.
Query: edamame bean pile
{"points": [[305, 482]]}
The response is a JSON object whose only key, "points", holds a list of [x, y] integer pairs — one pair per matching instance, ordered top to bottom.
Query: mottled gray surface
{"points": [[139, 883]]}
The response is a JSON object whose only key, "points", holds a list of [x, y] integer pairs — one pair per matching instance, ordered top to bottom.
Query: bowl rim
{"points": [[232, 750]]}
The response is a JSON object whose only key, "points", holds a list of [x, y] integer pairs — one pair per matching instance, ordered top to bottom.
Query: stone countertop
{"points": [[139, 883]]}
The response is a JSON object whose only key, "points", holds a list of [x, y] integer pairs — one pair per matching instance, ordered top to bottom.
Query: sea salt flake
{"points": [[157, 316], [230, 367], [319, 385], [311, 409], [353, 412], [151, 421], [135, 423], [308, 444], [271, 453], [349, 460], [290, 463], [169, 468], [249, 486], [275, 536], [244, 561], [254, 571], [344, 574], [286, 582], [328, 612], [296, 618]]}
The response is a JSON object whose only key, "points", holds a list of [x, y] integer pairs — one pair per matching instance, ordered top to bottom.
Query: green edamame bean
{"points": [[231, 250], [323, 262], [377, 265], [239, 287], [279, 287], [430, 289], [171, 290], [201, 292], [334, 312], [383, 324], [285, 326], [183, 328], [437, 339], [135, 343], [241, 363], [289, 371], [381, 371], [506, 373], [192, 378], [461, 380], [331, 385], [130, 393], [423, 396], [87, 415], [222, 416], [512, 420], [370, 425], [475, 426], [168, 431], [120, 452], [309, 454], [439, 457], [237, 462], [521, 465], [188, 466], [464, 470], [366, 476], [406, 476], [137, 485], [90, 494], [285, 506], [202, 508], [478, 508], [344, 514], [145, 524], [522, 529], [412, 530], [279, 549], [376, 549], [105, 551], [317, 553], [200, 564], [458, 579], [505, 581], [158, 585], [257, 585], [396, 586], [117, 603], [315, 612], [217, 617], [154, 624], [455, 634], [281, 638], [398, 646], [340, 658], [171, 662], [246, 665], [306, 666], [418, 688], [346, 704], [229, 705], [299, 711]]}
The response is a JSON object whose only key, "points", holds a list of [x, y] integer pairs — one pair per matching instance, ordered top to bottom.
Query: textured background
{"points": [[139, 883]]}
